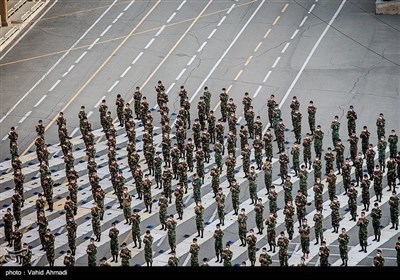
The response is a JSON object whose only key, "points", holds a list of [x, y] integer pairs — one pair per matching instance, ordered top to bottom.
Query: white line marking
{"points": [[129, 5], [180, 6], [312, 8], [230, 9], [171, 17], [117, 18], [221, 21], [303, 21], [105, 30], [161, 30], [212, 33], [294, 34], [94, 42], [149, 43], [202, 46], [285, 47], [225, 52], [309, 57], [137, 58], [79, 59], [191, 60], [276, 61], [57, 62], [71, 67], [126, 71], [65, 74], [180, 74], [267, 76], [54, 86], [113, 86], [170, 87], [257, 91], [40, 101], [98, 102], [89, 114], [24, 117], [239, 119], [74, 131], [4, 138], [187, 199], [213, 216], [161, 240], [186, 260]]}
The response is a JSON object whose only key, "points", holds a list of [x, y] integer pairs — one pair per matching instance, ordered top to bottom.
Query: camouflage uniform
{"points": [[312, 110], [351, 121], [335, 126], [267, 138], [393, 139], [295, 152], [329, 158], [317, 166], [267, 167], [235, 189], [352, 194], [318, 196], [272, 198], [179, 201], [163, 204], [335, 207], [259, 210], [288, 211], [394, 211], [376, 215], [135, 221], [242, 223], [271, 224], [171, 226], [319, 231], [363, 232], [218, 235], [305, 238], [252, 241], [283, 244], [343, 249], [194, 251], [148, 252], [91, 253], [125, 255], [227, 257]]}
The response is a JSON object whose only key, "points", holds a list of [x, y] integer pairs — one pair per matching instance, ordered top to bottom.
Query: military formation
{"points": [[169, 165]]}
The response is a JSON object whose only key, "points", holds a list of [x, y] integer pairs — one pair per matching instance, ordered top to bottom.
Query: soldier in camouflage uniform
{"points": [[137, 97], [223, 97], [271, 103], [294, 106], [120, 109], [311, 110], [249, 116], [296, 119], [351, 120], [380, 125], [335, 126], [219, 129], [244, 135], [280, 135], [364, 136], [267, 138], [318, 138], [393, 139], [231, 140], [353, 145], [258, 146], [189, 147], [307, 150], [295, 152], [382, 152], [339, 155], [370, 155], [329, 158], [246, 160], [283, 162], [230, 163], [200, 164], [358, 165], [317, 166], [267, 167], [346, 173], [391, 173], [303, 175], [252, 177], [377, 177], [167, 179], [215, 179], [197, 182], [365, 184], [288, 187], [235, 190], [318, 194], [352, 194], [272, 198], [179, 200], [220, 200], [148, 201], [16, 202], [301, 202], [163, 205], [335, 207], [394, 210], [95, 211], [259, 211], [288, 211], [199, 212], [376, 214], [8, 219], [135, 222], [270, 222], [42, 223], [242, 223], [362, 223], [171, 226], [71, 229], [319, 232], [113, 234], [218, 235], [305, 238], [251, 242], [283, 244], [49, 245], [397, 248], [343, 249], [194, 251], [91, 252], [148, 252], [324, 254], [125, 255], [227, 255], [264, 258], [69, 259], [173, 260], [379, 260]]}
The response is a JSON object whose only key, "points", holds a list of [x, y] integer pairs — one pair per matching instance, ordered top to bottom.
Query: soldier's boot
{"points": [[339, 171], [186, 188], [390, 188], [377, 198], [380, 198], [252, 201], [120, 206], [51, 207], [367, 207], [150, 208], [147, 210], [75, 212], [102, 215], [127, 222], [397, 226], [202, 231], [261, 231], [198, 233], [290, 236], [98, 238], [374, 238], [379, 238], [317, 241], [135, 244], [140, 244], [365, 247], [270, 248], [362, 249], [116, 258], [217, 258], [113, 260], [253, 263], [345, 263]]}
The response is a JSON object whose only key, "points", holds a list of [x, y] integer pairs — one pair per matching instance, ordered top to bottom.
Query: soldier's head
{"points": [[182, 88], [205, 88], [246, 94], [118, 95], [144, 98], [294, 98], [311, 102], [351, 107], [61, 114], [381, 115], [336, 118], [318, 127], [393, 132], [308, 135], [370, 146], [303, 166], [377, 167], [252, 168], [332, 171], [288, 178], [272, 188], [220, 190], [299, 192], [394, 192], [162, 194], [68, 198], [335, 198], [259, 200], [198, 202], [289, 202], [376, 204], [8, 210], [242, 211], [318, 211], [41, 213], [362, 214], [171, 216], [304, 221], [113, 224], [218, 226], [48, 230], [343, 230], [251, 231], [147, 232], [282, 233], [92, 240], [194, 240], [323, 243], [25, 245], [123, 245], [229, 245], [264, 250], [69, 252], [379, 252], [205, 260]]}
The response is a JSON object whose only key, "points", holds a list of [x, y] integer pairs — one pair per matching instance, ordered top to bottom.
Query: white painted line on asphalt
{"points": [[129, 5], [180, 6], [285, 7], [312, 8], [230, 9], [171, 17], [117, 18], [276, 20], [221, 21], [303, 21], [105, 30], [161, 30], [212, 33], [294, 34], [94, 42], [149, 43], [202, 46], [258, 46], [285, 47], [226, 52], [309, 57], [137, 58], [79, 59], [191, 60], [248, 60], [276, 61], [55, 64], [71, 67], [126, 71], [65, 74], [180, 74], [238, 75], [267, 76], [54, 86], [113, 86], [170, 87], [257, 91], [40, 101], [98, 102], [89, 114], [24, 117], [239, 119], [74, 131], [4, 138], [187, 199], [213, 216], [161, 240], [186, 260]]}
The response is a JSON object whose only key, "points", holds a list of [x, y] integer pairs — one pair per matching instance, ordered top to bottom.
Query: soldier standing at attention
{"points": [[137, 97], [223, 97], [120, 102], [271, 106], [312, 110], [296, 118], [351, 120], [380, 125], [335, 126], [364, 136], [267, 138], [318, 138], [393, 139], [339, 148], [295, 152], [381, 152], [283, 161], [317, 165], [267, 167], [303, 175], [252, 177], [377, 177], [365, 184], [288, 187], [235, 190], [352, 193], [318, 194], [272, 197], [179, 200], [220, 200], [301, 202], [126, 204], [163, 205], [335, 207], [259, 210], [394, 210], [95, 211], [199, 211], [288, 211], [376, 215], [8, 219], [135, 222], [242, 222], [270, 222], [171, 226], [71, 229], [319, 231], [363, 231], [113, 234], [218, 235], [17, 237], [305, 238], [251, 242], [283, 244], [49, 245], [397, 248], [343, 249], [194, 251], [91, 252], [148, 252], [324, 254], [125, 255], [227, 255], [26, 256], [264, 258], [69, 259], [173, 260], [379, 260]]}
